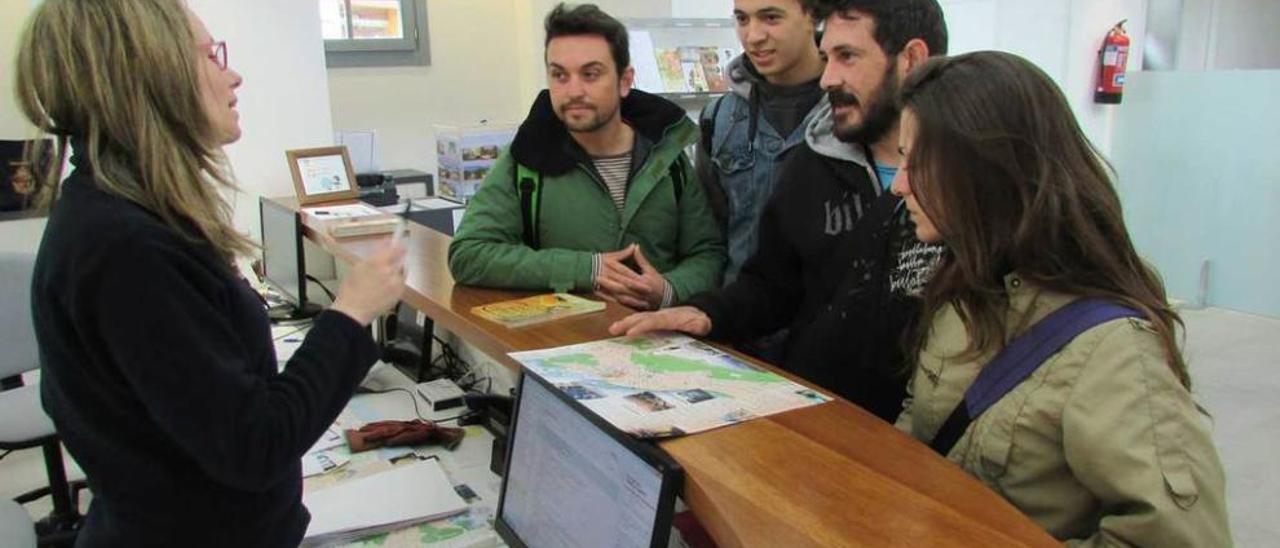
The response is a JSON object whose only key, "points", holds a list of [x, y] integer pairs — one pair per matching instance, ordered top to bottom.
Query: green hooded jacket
{"points": [[577, 217]]}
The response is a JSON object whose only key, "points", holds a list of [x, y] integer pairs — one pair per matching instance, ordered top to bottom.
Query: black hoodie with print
{"points": [[839, 267]]}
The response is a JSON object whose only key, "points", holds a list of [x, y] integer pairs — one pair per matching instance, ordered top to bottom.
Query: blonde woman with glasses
{"points": [[158, 366]]}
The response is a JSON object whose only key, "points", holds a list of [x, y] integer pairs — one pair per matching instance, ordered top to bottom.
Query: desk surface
{"points": [[827, 475]]}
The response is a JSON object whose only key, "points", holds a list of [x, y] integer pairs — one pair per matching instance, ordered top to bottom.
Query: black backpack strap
{"points": [[708, 125], [676, 171], [529, 186], [1021, 358]]}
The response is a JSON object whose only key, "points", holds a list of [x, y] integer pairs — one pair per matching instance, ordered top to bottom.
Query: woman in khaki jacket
{"points": [[1102, 444]]}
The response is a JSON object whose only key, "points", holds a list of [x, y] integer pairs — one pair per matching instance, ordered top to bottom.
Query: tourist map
{"points": [[665, 385]]}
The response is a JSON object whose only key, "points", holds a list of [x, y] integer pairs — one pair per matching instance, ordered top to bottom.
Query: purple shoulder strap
{"points": [[1025, 354], [1022, 357]]}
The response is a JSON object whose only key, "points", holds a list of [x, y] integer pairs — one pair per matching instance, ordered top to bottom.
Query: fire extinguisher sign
{"points": [[1114, 55]]}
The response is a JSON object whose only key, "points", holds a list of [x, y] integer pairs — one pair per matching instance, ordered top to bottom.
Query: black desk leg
{"points": [[428, 343]]}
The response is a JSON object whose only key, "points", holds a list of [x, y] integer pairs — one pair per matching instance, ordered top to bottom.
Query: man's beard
{"points": [[878, 115], [588, 125]]}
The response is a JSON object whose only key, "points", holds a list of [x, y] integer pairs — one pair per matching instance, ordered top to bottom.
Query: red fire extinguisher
{"points": [[1112, 57]]}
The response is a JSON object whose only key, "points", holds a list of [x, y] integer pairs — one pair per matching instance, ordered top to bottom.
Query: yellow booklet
{"points": [[536, 309]]}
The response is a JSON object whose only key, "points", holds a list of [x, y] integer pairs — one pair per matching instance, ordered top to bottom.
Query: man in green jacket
{"points": [[595, 192]]}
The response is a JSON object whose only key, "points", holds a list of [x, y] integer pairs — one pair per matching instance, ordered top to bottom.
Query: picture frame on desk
{"points": [[322, 174]]}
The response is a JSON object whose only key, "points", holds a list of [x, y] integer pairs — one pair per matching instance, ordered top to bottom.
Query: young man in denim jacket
{"points": [[748, 132]]}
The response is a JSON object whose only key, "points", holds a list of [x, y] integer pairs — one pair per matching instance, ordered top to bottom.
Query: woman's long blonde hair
{"points": [[120, 77]]}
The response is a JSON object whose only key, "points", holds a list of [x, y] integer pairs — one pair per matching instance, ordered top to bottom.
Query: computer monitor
{"points": [[283, 263], [573, 480]]}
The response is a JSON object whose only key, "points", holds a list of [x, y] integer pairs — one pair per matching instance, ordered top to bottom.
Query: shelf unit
{"points": [[674, 57]]}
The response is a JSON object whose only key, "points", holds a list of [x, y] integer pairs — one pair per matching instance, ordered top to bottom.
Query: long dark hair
{"points": [[1003, 170]]}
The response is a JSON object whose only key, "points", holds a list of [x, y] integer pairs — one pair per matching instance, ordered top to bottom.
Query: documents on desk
{"points": [[435, 203], [345, 211], [353, 219], [286, 347], [665, 385], [332, 437], [321, 458], [320, 462], [328, 466], [466, 469], [382, 502]]}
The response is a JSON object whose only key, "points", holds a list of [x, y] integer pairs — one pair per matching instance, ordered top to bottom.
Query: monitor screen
{"points": [[282, 251], [572, 481]]}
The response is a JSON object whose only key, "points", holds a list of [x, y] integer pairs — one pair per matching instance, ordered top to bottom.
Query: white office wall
{"points": [[705, 9], [13, 15], [1090, 21], [1229, 34], [1062, 37], [532, 55], [486, 64], [473, 76], [284, 102], [1195, 151], [1183, 203], [19, 235]]}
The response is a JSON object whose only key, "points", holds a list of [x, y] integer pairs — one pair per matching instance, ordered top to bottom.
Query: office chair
{"points": [[24, 424], [16, 529]]}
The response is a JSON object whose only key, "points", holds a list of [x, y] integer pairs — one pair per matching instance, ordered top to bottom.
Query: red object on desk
{"points": [[399, 433]]}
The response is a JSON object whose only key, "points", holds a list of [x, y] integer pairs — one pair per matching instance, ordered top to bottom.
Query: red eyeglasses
{"points": [[218, 53]]}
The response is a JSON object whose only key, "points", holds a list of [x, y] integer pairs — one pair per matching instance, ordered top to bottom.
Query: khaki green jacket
{"points": [[1101, 446]]}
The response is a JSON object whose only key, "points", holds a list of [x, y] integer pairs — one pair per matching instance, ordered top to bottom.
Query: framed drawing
{"points": [[322, 174]]}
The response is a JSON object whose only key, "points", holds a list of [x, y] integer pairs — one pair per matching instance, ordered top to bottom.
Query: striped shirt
{"points": [[615, 170]]}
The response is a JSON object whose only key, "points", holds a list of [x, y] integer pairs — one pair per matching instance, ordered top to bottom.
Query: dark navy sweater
{"points": [[159, 372]]}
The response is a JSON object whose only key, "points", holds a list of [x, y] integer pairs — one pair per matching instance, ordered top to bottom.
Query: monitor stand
{"points": [[290, 313]]}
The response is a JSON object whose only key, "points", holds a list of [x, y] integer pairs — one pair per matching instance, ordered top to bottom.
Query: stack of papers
{"points": [[435, 203], [345, 211], [353, 220], [379, 503]]}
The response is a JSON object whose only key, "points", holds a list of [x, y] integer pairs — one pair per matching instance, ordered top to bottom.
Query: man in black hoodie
{"points": [[838, 264]]}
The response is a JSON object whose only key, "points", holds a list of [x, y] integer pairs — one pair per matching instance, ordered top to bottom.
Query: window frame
{"points": [[411, 50]]}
